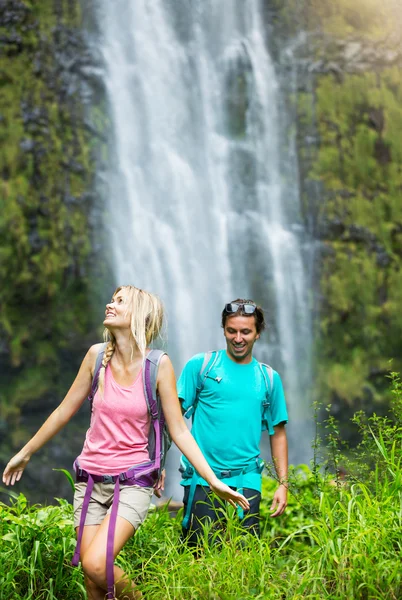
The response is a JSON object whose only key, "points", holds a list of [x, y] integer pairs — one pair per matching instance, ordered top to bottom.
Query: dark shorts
{"points": [[207, 508]]}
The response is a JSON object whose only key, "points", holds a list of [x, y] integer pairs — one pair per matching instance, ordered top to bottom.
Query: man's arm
{"points": [[279, 453]]}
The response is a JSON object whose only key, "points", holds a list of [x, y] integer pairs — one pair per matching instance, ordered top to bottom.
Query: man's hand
{"points": [[160, 485], [280, 501]]}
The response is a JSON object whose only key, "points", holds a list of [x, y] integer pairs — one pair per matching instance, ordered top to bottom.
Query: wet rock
{"points": [[12, 13], [12, 44], [352, 50], [236, 89], [376, 118], [27, 145], [382, 152], [243, 179], [332, 229], [357, 233], [35, 241], [383, 259]]}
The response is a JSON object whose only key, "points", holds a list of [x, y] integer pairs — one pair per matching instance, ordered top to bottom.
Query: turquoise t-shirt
{"points": [[228, 417]]}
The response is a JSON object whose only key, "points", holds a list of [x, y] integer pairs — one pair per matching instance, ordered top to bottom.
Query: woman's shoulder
{"points": [[96, 349], [94, 352], [156, 354], [165, 365]]}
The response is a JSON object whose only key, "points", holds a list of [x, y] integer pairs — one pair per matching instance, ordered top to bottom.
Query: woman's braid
{"points": [[107, 355]]}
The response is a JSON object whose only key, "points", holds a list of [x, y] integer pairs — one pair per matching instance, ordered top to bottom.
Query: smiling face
{"points": [[117, 313], [240, 333]]}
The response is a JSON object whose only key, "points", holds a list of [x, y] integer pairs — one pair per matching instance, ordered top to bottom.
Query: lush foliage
{"points": [[368, 19], [349, 122], [360, 124], [349, 130], [46, 175], [339, 539]]}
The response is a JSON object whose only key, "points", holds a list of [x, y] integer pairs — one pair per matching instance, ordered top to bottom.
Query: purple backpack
{"points": [[159, 440], [145, 474]]}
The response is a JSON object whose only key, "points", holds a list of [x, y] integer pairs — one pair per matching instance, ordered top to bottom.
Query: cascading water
{"points": [[202, 206]]}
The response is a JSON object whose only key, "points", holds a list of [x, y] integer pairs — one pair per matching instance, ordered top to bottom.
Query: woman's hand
{"points": [[75, 397], [15, 468], [160, 485], [231, 496]]}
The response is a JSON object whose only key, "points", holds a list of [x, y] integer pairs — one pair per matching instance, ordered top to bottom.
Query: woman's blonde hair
{"points": [[146, 320]]}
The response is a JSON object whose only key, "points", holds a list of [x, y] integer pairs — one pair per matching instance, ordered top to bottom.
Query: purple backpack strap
{"points": [[84, 510], [110, 534], [110, 543]]}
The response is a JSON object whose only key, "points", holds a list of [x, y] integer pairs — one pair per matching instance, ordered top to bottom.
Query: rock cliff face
{"points": [[349, 124], [358, 162], [48, 216]]}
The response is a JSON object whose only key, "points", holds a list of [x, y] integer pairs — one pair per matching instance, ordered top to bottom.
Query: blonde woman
{"points": [[116, 476]]}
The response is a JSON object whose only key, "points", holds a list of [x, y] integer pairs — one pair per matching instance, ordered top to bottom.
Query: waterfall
{"points": [[203, 202]]}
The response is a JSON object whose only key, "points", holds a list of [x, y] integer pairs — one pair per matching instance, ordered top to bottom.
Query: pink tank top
{"points": [[118, 435]]}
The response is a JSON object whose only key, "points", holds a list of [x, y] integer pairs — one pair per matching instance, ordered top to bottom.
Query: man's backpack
{"points": [[206, 372], [159, 440], [188, 472]]}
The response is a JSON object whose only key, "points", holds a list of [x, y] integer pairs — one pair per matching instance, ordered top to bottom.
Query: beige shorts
{"points": [[134, 503]]}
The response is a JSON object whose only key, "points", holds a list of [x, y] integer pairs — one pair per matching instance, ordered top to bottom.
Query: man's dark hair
{"points": [[258, 314]]}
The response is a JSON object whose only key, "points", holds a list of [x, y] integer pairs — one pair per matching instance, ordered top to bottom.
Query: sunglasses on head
{"points": [[247, 309]]}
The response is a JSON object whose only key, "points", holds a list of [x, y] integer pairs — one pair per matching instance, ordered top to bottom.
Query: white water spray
{"points": [[198, 208]]}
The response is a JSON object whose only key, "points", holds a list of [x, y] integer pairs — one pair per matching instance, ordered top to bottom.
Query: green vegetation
{"points": [[368, 18], [335, 20], [350, 150], [358, 161], [46, 167], [351, 183], [339, 538]]}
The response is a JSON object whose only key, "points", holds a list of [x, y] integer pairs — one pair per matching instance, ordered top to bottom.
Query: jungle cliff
{"points": [[350, 151], [50, 240], [53, 265]]}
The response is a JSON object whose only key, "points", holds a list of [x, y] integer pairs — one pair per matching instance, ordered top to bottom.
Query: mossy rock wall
{"points": [[350, 105], [359, 162], [51, 272], [49, 279]]}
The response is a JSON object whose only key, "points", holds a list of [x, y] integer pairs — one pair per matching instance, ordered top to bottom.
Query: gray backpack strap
{"points": [[99, 358], [153, 358], [207, 358], [210, 359], [207, 364], [270, 372], [268, 375], [95, 378], [158, 436]]}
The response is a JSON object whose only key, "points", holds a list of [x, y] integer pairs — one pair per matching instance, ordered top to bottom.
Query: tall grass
{"points": [[337, 539], [36, 545]]}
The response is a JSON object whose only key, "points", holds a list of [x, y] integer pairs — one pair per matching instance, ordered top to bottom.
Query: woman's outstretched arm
{"points": [[56, 421], [184, 440]]}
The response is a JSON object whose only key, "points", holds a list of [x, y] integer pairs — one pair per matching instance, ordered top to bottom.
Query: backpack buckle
{"points": [[189, 412], [187, 472], [108, 479]]}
